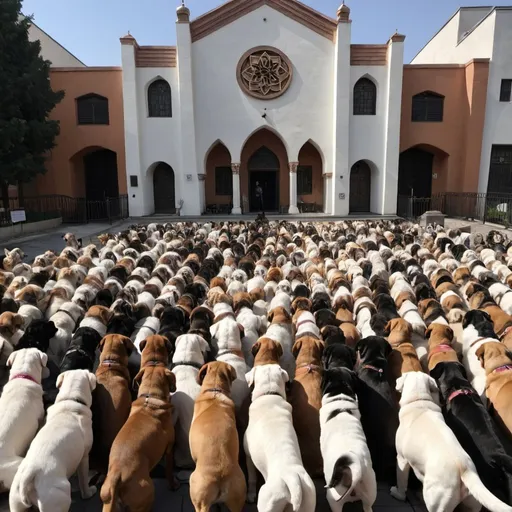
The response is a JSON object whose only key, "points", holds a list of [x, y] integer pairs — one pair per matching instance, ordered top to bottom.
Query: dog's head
{"points": [[279, 315], [10, 323], [116, 348], [156, 349], [373, 350], [266, 351], [493, 355], [339, 356], [29, 361], [217, 375], [156, 381], [339, 381], [75, 384]]}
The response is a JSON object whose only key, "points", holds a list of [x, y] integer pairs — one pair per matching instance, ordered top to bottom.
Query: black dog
{"points": [[325, 317], [201, 319], [123, 320], [482, 322], [173, 323], [37, 335], [333, 335], [81, 353], [338, 356], [378, 405], [466, 415]]}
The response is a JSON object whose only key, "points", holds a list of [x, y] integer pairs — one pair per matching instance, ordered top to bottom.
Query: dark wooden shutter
{"points": [[506, 90], [365, 98], [159, 99], [427, 107], [92, 109], [304, 180], [223, 181]]}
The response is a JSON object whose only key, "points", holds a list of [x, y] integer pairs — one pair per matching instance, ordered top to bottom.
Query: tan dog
{"points": [[97, 318], [10, 323], [352, 335], [440, 349], [156, 351], [266, 351], [404, 357], [496, 359], [112, 397], [306, 400], [146, 436], [214, 442]]}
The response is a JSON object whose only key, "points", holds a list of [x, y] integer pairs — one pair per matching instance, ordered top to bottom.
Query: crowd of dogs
{"points": [[252, 358]]}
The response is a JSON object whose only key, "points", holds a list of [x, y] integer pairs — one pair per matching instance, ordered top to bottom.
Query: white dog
{"points": [[253, 325], [144, 328], [188, 359], [22, 409], [271, 446], [60, 449], [348, 466], [447, 472]]}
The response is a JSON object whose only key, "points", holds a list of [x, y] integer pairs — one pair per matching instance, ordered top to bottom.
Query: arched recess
{"points": [[365, 97], [159, 98], [265, 150], [422, 171], [94, 174], [219, 179], [310, 186], [360, 187], [164, 188]]}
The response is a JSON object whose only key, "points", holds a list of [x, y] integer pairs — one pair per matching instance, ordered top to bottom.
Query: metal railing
{"points": [[492, 207], [73, 210]]}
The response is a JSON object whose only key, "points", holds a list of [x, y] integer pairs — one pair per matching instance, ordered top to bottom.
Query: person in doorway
{"points": [[258, 192]]}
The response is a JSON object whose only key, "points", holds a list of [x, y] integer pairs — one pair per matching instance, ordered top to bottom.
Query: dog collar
{"points": [[66, 312], [224, 315], [303, 322], [150, 328], [505, 332], [478, 340], [440, 349], [80, 351], [234, 351], [110, 362], [155, 363], [188, 363], [308, 368], [373, 368], [504, 368], [25, 376], [215, 390], [459, 392], [269, 393], [78, 401], [165, 404]]}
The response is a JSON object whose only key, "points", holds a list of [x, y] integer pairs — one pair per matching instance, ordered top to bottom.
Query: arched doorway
{"points": [[264, 171], [415, 173], [100, 175], [219, 180], [310, 186], [360, 187], [164, 189]]}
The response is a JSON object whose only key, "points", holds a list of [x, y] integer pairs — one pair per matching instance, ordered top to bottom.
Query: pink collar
{"points": [[306, 321], [505, 332], [374, 368], [504, 368], [25, 376], [460, 392]]}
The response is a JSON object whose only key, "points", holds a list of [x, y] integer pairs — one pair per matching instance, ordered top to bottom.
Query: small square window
{"points": [[506, 90], [134, 181]]}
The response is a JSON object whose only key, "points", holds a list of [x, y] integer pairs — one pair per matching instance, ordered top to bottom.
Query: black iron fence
{"points": [[496, 208], [73, 210]]}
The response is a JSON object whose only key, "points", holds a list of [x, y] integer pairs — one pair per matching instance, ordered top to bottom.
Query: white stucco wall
{"points": [[53, 51], [223, 111], [498, 115]]}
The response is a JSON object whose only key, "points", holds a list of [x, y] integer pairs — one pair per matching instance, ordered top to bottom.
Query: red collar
{"points": [[440, 349], [374, 368], [504, 368], [25, 376], [460, 392]]}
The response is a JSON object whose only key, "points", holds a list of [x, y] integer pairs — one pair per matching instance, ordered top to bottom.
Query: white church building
{"points": [[262, 91]]}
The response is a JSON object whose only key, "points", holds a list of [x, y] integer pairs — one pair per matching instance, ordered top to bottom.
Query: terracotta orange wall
{"points": [[456, 142], [309, 155], [219, 157], [65, 169]]}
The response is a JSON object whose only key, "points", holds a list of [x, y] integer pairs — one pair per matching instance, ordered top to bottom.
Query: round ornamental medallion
{"points": [[264, 72]]}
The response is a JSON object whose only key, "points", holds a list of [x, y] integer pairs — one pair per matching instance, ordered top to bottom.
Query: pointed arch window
{"points": [[365, 98], [159, 99], [427, 107], [92, 109]]}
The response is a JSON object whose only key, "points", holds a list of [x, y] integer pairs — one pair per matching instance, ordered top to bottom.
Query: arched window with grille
{"points": [[365, 98], [159, 99], [427, 107], [92, 109]]}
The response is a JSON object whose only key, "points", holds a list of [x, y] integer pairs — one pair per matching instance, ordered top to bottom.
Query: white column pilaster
{"points": [[202, 192], [327, 192], [237, 210], [293, 210]]}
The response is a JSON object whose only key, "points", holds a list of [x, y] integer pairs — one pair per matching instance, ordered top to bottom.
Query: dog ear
{"points": [[270, 316], [19, 321], [51, 328], [387, 328], [429, 330], [242, 331], [449, 333], [102, 343], [143, 344], [203, 344], [128, 345], [169, 347], [255, 348], [296, 348], [387, 349], [279, 350], [480, 353], [12, 357], [44, 359], [232, 373], [202, 374], [285, 376], [249, 377], [138, 378], [171, 379], [60, 380], [92, 381], [400, 383], [432, 386]]}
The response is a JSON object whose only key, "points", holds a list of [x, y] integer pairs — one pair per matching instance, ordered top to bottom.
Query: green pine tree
{"points": [[26, 100]]}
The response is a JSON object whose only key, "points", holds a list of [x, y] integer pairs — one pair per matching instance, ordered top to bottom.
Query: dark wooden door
{"points": [[100, 168], [264, 169], [500, 171], [415, 173], [360, 188], [164, 191]]}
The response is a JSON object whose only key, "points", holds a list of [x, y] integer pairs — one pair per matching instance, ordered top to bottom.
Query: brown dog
{"points": [[10, 323], [352, 335], [440, 349], [156, 351], [266, 351], [403, 357], [496, 359], [112, 397], [306, 400], [145, 437], [214, 443]]}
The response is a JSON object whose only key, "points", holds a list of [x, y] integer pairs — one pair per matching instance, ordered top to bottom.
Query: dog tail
{"points": [[345, 476], [293, 483], [26, 486], [478, 490], [109, 493]]}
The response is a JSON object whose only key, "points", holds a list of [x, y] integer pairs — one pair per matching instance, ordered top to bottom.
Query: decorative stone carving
{"points": [[264, 72], [293, 167], [235, 168], [201, 177]]}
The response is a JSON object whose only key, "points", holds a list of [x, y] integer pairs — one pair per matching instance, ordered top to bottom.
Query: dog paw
{"points": [[89, 493], [397, 494], [251, 497]]}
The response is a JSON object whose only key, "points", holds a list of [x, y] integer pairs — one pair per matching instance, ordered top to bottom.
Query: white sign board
{"points": [[18, 216]]}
